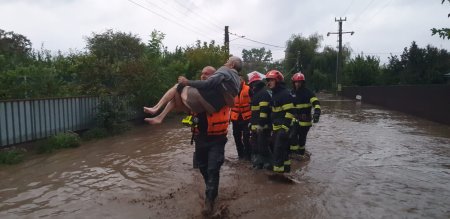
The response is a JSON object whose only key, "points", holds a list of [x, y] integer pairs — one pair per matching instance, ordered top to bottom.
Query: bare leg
{"points": [[168, 96], [175, 103], [158, 119]]}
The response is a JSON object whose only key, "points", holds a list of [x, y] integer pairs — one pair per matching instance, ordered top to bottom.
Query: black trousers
{"points": [[241, 134], [299, 139], [261, 148], [280, 150], [210, 157]]}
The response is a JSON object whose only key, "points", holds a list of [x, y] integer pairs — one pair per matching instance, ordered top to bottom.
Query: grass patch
{"points": [[61, 140], [13, 156]]}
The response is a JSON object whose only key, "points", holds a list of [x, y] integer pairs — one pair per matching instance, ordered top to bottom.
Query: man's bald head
{"points": [[235, 63], [206, 72]]}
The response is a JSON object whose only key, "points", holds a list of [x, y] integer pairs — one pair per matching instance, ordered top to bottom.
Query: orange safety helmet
{"points": [[275, 74], [298, 77]]}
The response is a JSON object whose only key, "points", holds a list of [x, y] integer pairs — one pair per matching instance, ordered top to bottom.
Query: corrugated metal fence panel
{"points": [[27, 120]]}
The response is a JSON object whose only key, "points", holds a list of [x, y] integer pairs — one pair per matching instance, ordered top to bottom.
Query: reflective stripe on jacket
{"points": [[304, 99], [282, 108]]}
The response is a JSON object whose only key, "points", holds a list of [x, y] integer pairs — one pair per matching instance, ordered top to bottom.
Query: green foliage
{"points": [[442, 32], [15, 50], [300, 52], [203, 54], [256, 60], [417, 66], [361, 71], [319, 81], [111, 113], [95, 133], [58, 141], [13, 156]]}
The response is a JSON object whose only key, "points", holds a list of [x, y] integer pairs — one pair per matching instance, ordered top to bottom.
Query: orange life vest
{"points": [[242, 104], [217, 122]]}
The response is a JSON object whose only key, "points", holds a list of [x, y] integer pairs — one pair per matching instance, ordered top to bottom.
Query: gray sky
{"points": [[381, 26]]}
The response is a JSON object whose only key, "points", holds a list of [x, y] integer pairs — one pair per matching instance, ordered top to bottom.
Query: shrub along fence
{"points": [[428, 101], [31, 119]]}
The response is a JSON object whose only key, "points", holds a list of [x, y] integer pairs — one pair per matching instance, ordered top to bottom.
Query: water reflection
{"points": [[367, 162]]}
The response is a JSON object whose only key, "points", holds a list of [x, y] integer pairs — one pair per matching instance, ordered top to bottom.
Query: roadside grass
{"points": [[12, 156]]}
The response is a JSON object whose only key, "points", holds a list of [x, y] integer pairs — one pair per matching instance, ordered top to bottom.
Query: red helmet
{"points": [[275, 74], [298, 77]]}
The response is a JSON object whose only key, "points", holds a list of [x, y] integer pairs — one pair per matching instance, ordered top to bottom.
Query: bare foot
{"points": [[150, 110], [153, 121]]}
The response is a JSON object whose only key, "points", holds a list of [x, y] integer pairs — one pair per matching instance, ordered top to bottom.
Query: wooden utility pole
{"points": [[227, 40], [339, 57]]}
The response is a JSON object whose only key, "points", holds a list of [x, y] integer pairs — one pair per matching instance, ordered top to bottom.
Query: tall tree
{"points": [[15, 49], [300, 52], [202, 54], [113, 55], [256, 59], [361, 71]]}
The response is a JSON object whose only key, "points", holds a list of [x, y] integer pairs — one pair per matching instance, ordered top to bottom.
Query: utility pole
{"points": [[227, 40], [339, 57], [297, 64]]}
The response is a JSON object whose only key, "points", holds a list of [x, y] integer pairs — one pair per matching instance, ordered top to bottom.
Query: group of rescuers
{"points": [[270, 123]]}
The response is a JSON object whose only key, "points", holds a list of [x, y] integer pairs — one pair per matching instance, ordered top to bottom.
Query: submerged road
{"points": [[367, 162]]}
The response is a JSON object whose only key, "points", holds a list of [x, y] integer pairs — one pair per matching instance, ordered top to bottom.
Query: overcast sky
{"points": [[381, 27]]}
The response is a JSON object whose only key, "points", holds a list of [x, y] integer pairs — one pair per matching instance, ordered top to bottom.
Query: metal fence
{"points": [[427, 101], [27, 120]]}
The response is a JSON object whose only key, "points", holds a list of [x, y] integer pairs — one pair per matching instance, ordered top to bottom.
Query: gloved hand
{"points": [[316, 115], [294, 122], [259, 128]]}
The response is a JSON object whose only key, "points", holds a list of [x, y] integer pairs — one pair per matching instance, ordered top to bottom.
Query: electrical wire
{"points": [[199, 18], [211, 18], [170, 20], [255, 41]]}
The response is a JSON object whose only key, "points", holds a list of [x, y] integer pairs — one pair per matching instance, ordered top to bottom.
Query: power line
{"points": [[351, 3], [367, 6], [376, 13], [173, 16], [198, 17], [168, 19], [205, 19], [210, 19], [255, 41]]}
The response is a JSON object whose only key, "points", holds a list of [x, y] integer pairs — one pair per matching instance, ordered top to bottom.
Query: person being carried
{"points": [[199, 96]]}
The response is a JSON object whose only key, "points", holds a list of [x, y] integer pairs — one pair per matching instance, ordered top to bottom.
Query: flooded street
{"points": [[367, 162]]}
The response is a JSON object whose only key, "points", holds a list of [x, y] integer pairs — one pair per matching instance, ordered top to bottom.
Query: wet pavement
{"points": [[367, 162]]}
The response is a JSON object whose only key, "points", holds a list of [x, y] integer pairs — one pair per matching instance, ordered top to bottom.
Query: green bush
{"points": [[111, 114], [95, 133], [61, 140], [11, 156]]}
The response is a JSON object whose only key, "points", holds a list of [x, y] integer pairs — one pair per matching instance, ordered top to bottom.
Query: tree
{"points": [[443, 32], [15, 50], [300, 52], [202, 54], [112, 58], [256, 59], [417, 66], [361, 71]]}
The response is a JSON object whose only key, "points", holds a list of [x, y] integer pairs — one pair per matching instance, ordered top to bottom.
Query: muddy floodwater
{"points": [[367, 162]]}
